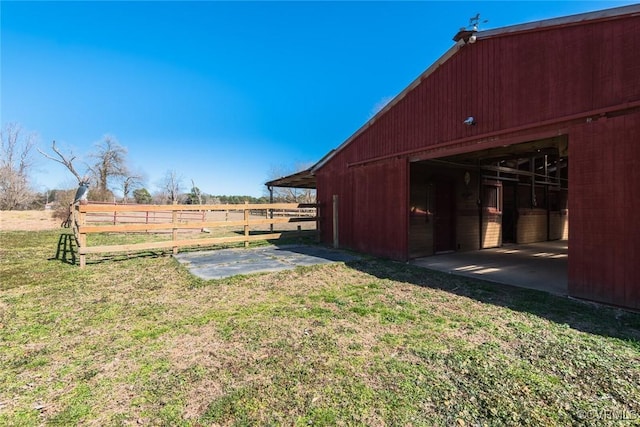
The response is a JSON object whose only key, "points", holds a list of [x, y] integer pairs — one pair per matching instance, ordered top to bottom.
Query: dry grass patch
{"points": [[28, 220]]}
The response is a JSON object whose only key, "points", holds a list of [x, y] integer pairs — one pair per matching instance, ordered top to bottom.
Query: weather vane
{"points": [[474, 22], [467, 34]]}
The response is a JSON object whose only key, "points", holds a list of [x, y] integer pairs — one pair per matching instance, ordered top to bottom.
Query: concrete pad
{"points": [[218, 264], [541, 266]]}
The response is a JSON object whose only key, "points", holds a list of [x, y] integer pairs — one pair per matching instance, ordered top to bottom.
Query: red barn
{"points": [[508, 135]]}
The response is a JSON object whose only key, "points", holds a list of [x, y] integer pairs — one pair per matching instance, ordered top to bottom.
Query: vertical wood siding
{"points": [[372, 207], [604, 259]]}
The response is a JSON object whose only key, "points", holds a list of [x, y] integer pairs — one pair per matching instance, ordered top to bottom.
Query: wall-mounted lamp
{"points": [[470, 121]]}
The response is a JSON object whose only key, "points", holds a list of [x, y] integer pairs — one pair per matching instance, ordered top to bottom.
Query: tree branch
{"points": [[67, 162]]}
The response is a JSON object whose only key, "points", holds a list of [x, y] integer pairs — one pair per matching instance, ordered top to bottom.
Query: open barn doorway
{"points": [[504, 198], [444, 213]]}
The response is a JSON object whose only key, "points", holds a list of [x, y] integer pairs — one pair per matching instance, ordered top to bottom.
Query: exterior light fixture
{"points": [[470, 121]]}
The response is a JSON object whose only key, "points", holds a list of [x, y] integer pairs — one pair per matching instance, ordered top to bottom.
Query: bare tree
{"points": [[64, 159], [15, 163], [109, 164], [129, 184], [172, 185], [291, 194], [196, 195], [294, 195], [159, 197], [64, 211]]}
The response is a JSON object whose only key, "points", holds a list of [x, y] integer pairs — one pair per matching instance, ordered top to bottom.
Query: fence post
{"points": [[270, 210], [268, 217], [81, 218], [174, 220], [246, 225], [318, 226], [336, 242]]}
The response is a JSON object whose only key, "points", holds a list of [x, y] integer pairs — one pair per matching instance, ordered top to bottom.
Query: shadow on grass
{"points": [[66, 249], [67, 252], [581, 315]]}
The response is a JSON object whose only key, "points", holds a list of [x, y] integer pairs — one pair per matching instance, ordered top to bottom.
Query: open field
{"points": [[28, 220], [139, 341]]}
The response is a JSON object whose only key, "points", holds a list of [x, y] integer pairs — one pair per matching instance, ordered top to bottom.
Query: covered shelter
{"points": [[520, 134], [302, 179]]}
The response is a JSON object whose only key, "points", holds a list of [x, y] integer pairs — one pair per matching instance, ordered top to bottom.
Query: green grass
{"points": [[137, 339]]}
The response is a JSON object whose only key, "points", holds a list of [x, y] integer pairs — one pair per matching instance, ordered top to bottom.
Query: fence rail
{"points": [[104, 218]]}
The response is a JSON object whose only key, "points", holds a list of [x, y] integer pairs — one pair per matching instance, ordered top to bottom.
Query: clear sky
{"points": [[222, 92]]}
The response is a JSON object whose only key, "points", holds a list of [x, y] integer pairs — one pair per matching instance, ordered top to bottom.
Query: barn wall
{"points": [[335, 180], [380, 201], [372, 207], [532, 225], [559, 227], [604, 255]]}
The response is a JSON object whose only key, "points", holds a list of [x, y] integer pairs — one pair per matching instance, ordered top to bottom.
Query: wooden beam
{"points": [[171, 208], [121, 228], [136, 247]]}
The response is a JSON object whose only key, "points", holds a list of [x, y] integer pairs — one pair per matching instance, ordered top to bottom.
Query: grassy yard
{"points": [[139, 341]]}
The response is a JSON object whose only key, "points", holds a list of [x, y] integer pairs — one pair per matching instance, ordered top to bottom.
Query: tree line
{"points": [[110, 179]]}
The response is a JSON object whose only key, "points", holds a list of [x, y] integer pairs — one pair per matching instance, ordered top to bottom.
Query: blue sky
{"points": [[222, 92]]}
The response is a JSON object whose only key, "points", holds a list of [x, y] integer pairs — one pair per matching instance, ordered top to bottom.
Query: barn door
{"points": [[509, 212], [444, 216]]}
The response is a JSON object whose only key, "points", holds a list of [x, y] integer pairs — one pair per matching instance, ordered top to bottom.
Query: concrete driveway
{"points": [[541, 266]]}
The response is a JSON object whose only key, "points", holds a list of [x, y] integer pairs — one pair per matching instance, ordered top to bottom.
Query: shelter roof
{"points": [[302, 179]]}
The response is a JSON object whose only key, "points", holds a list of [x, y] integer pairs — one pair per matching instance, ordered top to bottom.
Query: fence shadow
{"points": [[66, 249], [121, 257], [581, 315]]}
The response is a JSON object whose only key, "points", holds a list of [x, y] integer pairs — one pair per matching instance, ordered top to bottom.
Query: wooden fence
{"points": [[173, 219]]}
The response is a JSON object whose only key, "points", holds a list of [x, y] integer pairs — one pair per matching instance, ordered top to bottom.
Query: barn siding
{"points": [[373, 211], [604, 261]]}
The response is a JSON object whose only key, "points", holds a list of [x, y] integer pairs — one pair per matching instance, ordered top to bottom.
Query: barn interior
{"points": [[499, 197]]}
